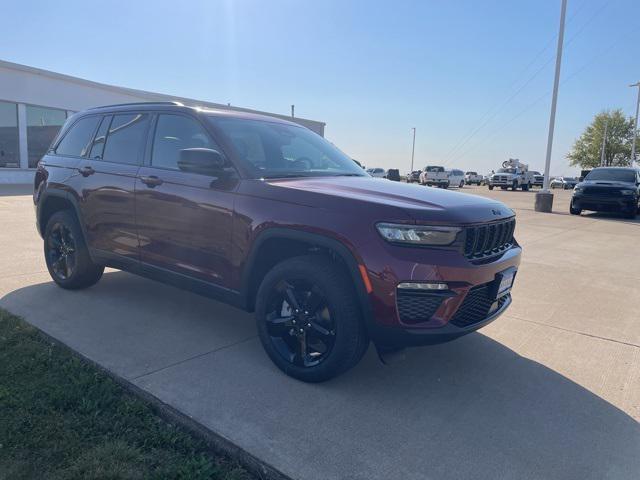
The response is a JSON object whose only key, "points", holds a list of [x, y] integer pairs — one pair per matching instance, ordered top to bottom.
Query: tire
{"points": [[446, 185], [461, 185], [514, 186], [490, 187], [526, 187], [503, 188], [574, 211], [632, 214], [66, 253], [332, 332]]}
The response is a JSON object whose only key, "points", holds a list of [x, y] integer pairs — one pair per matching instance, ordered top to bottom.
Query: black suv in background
{"points": [[608, 189]]}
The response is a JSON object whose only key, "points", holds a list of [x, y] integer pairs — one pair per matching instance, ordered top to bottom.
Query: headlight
{"points": [[628, 192], [418, 234]]}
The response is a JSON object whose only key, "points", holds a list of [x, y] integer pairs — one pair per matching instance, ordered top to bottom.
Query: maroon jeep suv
{"points": [[266, 215]]}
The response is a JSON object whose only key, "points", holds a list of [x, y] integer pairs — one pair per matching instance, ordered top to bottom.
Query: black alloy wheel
{"points": [[61, 251], [66, 253], [309, 319], [299, 323]]}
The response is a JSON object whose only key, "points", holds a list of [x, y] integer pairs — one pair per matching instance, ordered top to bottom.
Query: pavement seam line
{"points": [[574, 331], [180, 362]]}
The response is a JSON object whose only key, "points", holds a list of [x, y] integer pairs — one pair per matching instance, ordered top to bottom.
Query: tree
{"points": [[587, 149]]}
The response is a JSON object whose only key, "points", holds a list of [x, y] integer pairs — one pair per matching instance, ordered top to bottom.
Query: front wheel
{"points": [[461, 185], [490, 187], [573, 210], [66, 253], [309, 320]]}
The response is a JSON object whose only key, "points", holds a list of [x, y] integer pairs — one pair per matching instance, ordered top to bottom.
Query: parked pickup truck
{"points": [[513, 174], [434, 175], [472, 177]]}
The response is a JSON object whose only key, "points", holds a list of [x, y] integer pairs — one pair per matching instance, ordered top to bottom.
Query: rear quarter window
{"points": [[76, 141]]}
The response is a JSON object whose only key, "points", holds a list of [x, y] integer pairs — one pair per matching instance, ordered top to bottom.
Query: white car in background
{"points": [[377, 172], [472, 177], [456, 178]]}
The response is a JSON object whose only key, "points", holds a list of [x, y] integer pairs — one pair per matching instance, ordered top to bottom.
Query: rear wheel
{"points": [[461, 185], [490, 187], [66, 253], [309, 320]]}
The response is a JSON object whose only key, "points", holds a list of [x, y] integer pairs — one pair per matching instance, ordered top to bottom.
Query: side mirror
{"points": [[205, 161]]}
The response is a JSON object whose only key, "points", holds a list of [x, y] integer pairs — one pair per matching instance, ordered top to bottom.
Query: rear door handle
{"points": [[86, 171], [151, 181]]}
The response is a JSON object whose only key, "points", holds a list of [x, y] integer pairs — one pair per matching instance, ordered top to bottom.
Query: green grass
{"points": [[61, 418]]}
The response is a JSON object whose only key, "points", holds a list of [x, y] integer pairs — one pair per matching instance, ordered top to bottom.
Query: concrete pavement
{"points": [[550, 390]]}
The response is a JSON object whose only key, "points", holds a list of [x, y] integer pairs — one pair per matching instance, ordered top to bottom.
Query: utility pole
{"points": [[293, 108], [635, 127], [604, 143], [413, 148], [544, 198]]}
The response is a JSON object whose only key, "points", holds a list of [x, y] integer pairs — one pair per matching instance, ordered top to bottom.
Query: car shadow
{"points": [[472, 408]]}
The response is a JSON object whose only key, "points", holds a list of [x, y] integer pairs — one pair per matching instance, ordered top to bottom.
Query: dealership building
{"points": [[34, 104]]}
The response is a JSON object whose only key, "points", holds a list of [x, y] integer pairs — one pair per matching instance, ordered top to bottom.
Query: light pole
{"points": [[635, 127], [604, 143], [413, 148], [544, 198]]}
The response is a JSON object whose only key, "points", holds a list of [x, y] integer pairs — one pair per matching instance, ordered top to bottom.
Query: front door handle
{"points": [[86, 171], [151, 181]]}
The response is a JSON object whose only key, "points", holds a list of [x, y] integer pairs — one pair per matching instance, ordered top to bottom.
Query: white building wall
{"points": [[31, 86]]}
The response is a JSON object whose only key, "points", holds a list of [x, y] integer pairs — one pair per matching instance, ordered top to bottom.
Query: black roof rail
{"points": [[138, 103]]}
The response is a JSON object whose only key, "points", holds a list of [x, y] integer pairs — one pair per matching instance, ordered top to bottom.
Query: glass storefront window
{"points": [[42, 126], [9, 150]]}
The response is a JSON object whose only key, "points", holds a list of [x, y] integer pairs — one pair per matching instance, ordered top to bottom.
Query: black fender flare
{"points": [[319, 240]]}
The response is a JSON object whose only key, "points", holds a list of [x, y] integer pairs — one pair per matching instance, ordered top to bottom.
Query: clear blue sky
{"points": [[370, 69]]}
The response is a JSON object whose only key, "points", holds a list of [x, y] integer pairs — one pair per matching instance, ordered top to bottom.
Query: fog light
{"points": [[423, 286]]}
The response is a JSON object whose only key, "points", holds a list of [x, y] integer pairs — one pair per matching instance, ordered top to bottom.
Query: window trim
{"points": [[56, 143]]}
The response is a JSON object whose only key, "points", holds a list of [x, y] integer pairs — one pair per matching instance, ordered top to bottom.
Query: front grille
{"points": [[500, 178], [602, 191], [489, 239], [477, 306], [417, 307]]}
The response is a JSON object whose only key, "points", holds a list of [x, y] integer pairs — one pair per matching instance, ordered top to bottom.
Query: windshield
{"points": [[276, 150], [507, 170], [612, 175]]}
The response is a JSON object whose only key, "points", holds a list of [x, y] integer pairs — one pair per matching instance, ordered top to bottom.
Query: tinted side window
{"points": [[174, 133], [101, 136], [126, 138], [77, 139]]}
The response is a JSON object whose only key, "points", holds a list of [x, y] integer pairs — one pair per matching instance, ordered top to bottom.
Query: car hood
{"points": [[375, 196]]}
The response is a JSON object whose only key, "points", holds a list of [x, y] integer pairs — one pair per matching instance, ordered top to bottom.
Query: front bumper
{"points": [[598, 203], [391, 326]]}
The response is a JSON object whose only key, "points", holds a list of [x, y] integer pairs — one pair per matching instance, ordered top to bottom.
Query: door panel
{"points": [[106, 183], [184, 220]]}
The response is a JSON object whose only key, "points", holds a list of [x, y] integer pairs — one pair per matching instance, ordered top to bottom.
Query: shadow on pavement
{"points": [[472, 408]]}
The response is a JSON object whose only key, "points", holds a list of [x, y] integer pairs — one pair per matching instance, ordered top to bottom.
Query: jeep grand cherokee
{"points": [[268, 216]]}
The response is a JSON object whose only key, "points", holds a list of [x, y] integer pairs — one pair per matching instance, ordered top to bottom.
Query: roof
{"points": [[151, 96], [179, 106]]}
